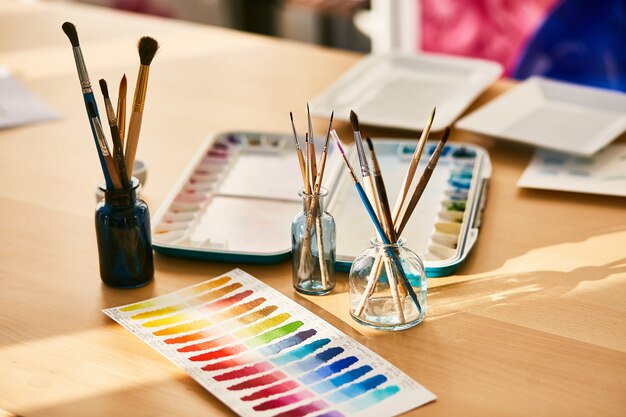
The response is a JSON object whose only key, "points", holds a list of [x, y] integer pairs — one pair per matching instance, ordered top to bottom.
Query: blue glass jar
{"points": [[124, 241], [313, 246]]}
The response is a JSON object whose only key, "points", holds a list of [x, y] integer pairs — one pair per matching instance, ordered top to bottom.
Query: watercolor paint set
{"points": [[238, 195], [262, 354]]}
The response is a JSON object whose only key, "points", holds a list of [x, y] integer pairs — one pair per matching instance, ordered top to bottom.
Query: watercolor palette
{"points": [[237, 198], [235, 201], [446, 221], [262, 354]]}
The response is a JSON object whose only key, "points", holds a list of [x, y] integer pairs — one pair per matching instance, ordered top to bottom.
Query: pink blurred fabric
{"points": [[491, 29]]}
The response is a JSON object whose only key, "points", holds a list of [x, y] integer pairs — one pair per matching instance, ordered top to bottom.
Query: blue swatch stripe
{"points": [[288, 342], [299, 353], [312, 363], [328, 370], [340, 380], [356, 389], [373, 398]]}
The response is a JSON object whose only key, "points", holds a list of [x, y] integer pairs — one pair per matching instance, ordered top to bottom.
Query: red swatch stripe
{"points": [[227, 302], [205, 334], [220, 341], [220, 353], [231, 363], [246, 371], [259, 381], [273, 390], [283, 401], [303, 410]]}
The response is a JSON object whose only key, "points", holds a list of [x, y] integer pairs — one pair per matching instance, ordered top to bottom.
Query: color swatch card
{"points": [[603, 173], [263, 355]]}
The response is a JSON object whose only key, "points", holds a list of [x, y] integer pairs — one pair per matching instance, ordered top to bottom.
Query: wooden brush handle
{"points": [[134, 127]]}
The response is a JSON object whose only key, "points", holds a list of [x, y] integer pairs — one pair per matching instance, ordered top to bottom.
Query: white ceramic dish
{"points": [[397, 90], [554, 115]]}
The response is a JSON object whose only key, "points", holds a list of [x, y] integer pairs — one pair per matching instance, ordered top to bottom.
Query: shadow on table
{"points": [[514, 288]]}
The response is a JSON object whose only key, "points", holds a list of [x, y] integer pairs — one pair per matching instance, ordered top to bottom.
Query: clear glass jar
{"points": [[124, 240], [313, 246], [379, 296]]}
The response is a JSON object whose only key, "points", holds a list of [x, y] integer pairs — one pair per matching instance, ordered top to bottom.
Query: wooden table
{"points": [[533, 324]]}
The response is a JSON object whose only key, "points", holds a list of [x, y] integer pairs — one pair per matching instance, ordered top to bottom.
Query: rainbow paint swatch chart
{"points": [[264, 355]]}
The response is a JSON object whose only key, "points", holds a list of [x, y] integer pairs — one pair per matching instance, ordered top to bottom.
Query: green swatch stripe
{"points": [[267, 337]]}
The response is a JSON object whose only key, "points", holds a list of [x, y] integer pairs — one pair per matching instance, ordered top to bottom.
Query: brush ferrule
{"points": [[83, 76], [141, 88], [110, 113], [100, 137], [365, 169]]}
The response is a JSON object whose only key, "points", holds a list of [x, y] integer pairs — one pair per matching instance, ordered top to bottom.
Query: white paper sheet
{"points": [[18, 106], [603, 173], [264, 355]]}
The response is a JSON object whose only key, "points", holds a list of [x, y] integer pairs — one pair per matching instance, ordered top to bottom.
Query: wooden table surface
{"points": [[534, 323]]}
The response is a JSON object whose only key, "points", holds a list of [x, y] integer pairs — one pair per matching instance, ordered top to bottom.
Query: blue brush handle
{"points": [[89, 98], [381, 233]]}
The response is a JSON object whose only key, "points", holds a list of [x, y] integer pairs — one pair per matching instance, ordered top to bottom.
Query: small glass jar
{"points": [[124, 241], [313, 246], [379, 296]]}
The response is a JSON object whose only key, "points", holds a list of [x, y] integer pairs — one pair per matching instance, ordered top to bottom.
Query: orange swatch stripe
{"points": [[198, 289], [216, 294], [238, 310], [205, 334], [220, 341]]}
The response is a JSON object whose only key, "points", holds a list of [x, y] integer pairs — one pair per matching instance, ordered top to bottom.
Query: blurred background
{"points": [[581, 41]]}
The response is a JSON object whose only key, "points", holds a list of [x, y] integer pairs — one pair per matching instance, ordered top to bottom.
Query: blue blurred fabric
{"points": [[581, 41]]}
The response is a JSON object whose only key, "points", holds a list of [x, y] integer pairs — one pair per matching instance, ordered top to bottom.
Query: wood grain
{"points": [[532, 324]]}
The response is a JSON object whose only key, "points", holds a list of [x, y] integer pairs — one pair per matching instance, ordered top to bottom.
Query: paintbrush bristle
{"points": [[70, 31], [147, 47], [123, 86], [104, 88], [432, 116], [354, 121], [370, 145]]}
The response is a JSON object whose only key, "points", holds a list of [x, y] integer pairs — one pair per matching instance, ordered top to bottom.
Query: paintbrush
{"points": [[147, 48], [83, 76], [121, 110], [104, 148], [298, 151], [118, 152], [311, 154], [365, 169], [320, 172], [410, 174], [423, 181], [417, 193], [382, 194], [385, 215], [377, 225]]}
